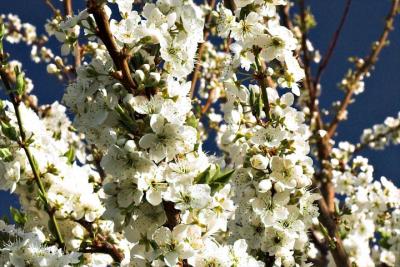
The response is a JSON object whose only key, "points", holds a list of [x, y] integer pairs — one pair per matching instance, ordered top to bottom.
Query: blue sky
{"points": [[366, 20]]}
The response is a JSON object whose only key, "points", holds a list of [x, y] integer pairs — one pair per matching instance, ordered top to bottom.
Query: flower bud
{"points": [[52, 68], [139, 76]]}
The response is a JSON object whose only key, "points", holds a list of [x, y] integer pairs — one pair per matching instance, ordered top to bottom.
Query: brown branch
{"points": [[230, 4], [68, 7], [55, 11], [285, 15], [332, 45], [200, 51], [119, 57], [365, 68], [307, 83], [208, 103], [173, 215], [100, 243], [338, 252]]}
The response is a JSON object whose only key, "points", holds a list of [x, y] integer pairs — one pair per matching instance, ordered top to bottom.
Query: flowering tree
{"points": [[128, 182]]}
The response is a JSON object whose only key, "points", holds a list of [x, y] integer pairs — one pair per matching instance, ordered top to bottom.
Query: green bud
{"points": [[20, 85], [5, 154]]}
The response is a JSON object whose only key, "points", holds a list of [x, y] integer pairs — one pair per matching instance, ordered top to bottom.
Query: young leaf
{"points": [[9, 131], [5, 154], [70, 155], [219, 181], [18, 217]]}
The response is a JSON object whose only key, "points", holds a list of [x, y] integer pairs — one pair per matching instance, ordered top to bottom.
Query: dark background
{"points": [[364, 25]]}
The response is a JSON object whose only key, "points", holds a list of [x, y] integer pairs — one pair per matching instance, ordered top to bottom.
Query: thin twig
{"points": [[68, 7], [55, 11], [285, 15], [332, 45], [200, 51], [306, 62], [365, 68], [23, 144], [361, 146], [100, 243]]}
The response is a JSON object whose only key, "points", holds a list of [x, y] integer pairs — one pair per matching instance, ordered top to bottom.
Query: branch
{"points": [[230, 4], [68, 7], [55, 11], [285, 15], [104, 33], [332, 45], [200, 51], [365, 68], [308, 84], [23, 143], [363, 145], [173, 215], [100, 243], [338, 252]]}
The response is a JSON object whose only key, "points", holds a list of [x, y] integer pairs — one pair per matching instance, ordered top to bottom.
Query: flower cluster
{"points": [[255, 27], [381, 135], [128, 180], [161, 190], [370, 213], [29, 248]]}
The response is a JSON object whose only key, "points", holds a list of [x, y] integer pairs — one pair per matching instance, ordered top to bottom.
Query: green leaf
{"points": [[192, 121], [9, 131], [5, 154], [70, 155], [203, 177], [214, 178], [220, 181], [18, 216]]}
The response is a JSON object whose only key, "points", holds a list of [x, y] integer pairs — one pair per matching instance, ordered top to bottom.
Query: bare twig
{"points": [[50, 4], [285, 15], [104, 33], [332, 45], [306, 62], [365, 68]]}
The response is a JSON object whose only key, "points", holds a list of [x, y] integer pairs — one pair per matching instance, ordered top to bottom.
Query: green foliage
{"points": [[9, 131], [5, 154], [70, 155], [214, 177], [18, 216]]}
